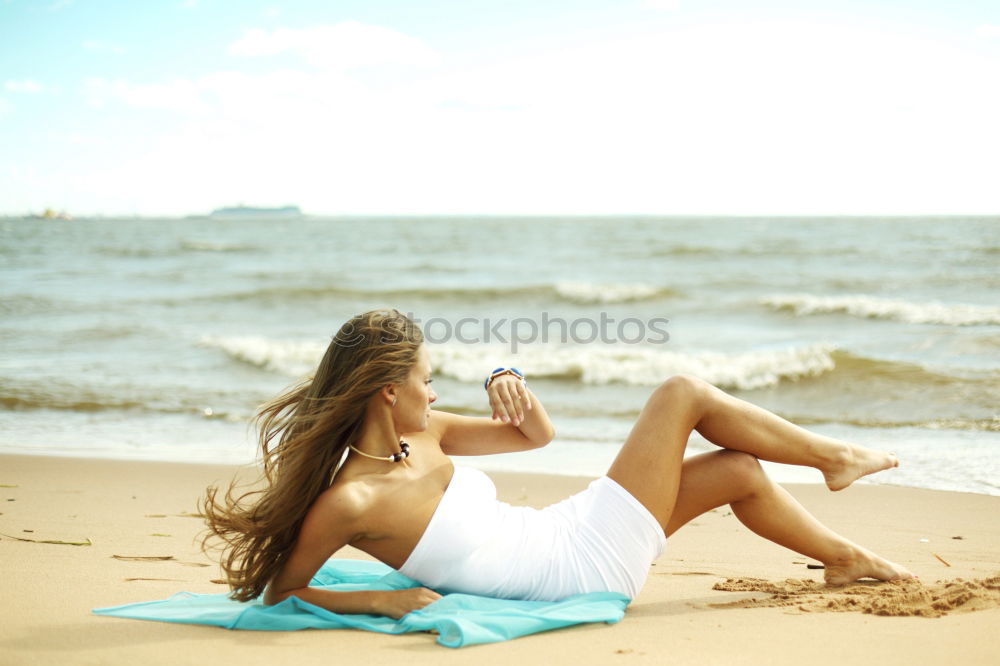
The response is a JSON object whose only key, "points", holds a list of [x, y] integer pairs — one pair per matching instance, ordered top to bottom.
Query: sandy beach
{"points": [[142, 510]]}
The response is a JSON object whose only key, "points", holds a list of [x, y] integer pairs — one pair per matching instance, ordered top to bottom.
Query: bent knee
{"points": [[681, 387], [740, 462], [743, 470]]}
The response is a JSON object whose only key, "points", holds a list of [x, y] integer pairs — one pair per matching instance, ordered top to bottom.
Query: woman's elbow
{"points": [[546, 437], [272, 596]]}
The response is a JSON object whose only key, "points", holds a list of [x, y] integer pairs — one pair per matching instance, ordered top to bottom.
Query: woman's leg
{"points": [[736, 424], [649, 463], [650, 467], [714, 479]]}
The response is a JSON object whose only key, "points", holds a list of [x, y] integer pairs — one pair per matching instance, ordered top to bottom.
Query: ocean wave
{"points": [[209, 246], [182, 247], [773, 248], [683, 250], [135, 252], [312, 292], [572, 292], [591, 293], [21, 304], [871, 307], [287, 357], [624, 364], [640, 366], [643, 366], [853, 367], [29, 395], [23, 399], [976, 425]]}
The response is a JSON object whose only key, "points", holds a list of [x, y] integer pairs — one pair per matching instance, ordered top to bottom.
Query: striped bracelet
{"points": [[500, 372]]}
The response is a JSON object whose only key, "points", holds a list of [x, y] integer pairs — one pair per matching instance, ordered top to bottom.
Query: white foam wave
{"points": [[209, 246], [589, 293], [955, 314], [287, 357], [589, 364], [641, 366]]}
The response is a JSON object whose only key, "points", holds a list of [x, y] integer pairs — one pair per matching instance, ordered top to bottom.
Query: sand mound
{"points": [[910, 597]]}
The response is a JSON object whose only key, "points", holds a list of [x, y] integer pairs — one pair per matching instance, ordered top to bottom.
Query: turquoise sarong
{"points": [[459, 619]]}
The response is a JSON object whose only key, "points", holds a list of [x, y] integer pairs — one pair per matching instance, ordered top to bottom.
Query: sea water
{"points": [[157, 338]]}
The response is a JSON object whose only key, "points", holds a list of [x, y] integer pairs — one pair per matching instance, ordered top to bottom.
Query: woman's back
{"points": [[390, 505]]}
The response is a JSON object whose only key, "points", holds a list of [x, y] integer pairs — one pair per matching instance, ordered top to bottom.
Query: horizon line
{"points": [[208, 216]]}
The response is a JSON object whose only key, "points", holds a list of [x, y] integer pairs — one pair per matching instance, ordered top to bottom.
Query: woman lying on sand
{"points": [[355, 455]]}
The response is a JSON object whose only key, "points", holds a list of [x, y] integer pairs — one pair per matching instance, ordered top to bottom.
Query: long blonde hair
{"points": [[303, 434]]}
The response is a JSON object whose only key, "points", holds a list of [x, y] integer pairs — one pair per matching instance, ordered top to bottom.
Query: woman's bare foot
{"points": [[854, 463], [860, 564]]}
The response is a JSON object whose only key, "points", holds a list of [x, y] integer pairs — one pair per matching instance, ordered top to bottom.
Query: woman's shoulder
{"points": [[345, 500], [336, 517]]}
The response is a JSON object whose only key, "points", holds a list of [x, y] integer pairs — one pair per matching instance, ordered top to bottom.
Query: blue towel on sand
{"points": [[459, 619]]}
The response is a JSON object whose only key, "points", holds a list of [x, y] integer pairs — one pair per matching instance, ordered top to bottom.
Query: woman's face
{"points": [[414, 396]]}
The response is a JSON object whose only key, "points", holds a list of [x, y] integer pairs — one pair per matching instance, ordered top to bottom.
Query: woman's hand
{"points": [[508, 399], [397, 603]]}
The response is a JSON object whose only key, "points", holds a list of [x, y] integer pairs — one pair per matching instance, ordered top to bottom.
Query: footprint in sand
{"points": [[897, 598]]}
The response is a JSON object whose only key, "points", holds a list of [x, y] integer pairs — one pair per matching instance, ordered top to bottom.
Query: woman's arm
{"points": [[519, 423], [328, 526], [393, 603]]}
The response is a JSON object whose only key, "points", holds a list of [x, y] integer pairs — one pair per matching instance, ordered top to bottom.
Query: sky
{"points": [[574, 107]]}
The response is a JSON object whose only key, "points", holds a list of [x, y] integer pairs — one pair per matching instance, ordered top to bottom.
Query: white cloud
{"points": [[667, 5], [988, 30], [98, 46], [342, 46], [23, 86], [179, 95], [259, 100], [751, 118], [85, 139]]}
